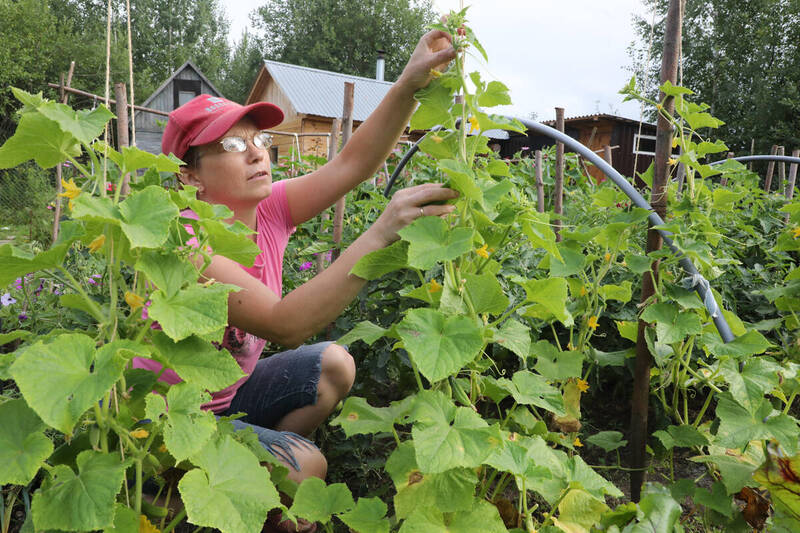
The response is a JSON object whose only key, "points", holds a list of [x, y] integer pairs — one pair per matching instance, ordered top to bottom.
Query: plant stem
{"points": [[80, 167], [93, 308], [416, 373], [789, 403], [702, 410], [138, 501], [175, 521]]}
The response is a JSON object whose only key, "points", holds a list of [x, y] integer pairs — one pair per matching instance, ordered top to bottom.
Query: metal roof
{"points": [[320, 92], [594, 117]]}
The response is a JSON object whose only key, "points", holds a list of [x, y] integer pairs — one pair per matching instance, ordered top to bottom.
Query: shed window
{"points": [[183, 91], [185, 96], [644, 144]]}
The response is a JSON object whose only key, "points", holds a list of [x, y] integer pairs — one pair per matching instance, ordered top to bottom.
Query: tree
{"points": [[167, 34], [341, 35], [37, 42], [741, 58], [242, 69]]}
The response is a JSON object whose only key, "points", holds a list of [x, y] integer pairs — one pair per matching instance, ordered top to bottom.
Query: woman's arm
{"points": [[372, 142], [309, 308]]}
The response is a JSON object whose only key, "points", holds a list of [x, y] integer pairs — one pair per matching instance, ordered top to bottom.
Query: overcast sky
{"points": [[565, 53]]}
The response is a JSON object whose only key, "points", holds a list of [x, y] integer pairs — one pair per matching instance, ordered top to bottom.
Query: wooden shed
{"points": [[183, 85], [311, 99], [630, 144]]}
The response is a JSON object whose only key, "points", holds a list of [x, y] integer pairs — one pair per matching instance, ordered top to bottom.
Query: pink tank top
{"points": [[274, 226]]}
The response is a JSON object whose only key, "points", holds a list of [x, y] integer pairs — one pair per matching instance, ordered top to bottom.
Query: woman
{"points": [[291, 393]]}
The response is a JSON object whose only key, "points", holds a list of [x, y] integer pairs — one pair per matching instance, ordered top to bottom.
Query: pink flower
{"points": [[525, 148], [110, 187], [305, 266], [144, 309]]}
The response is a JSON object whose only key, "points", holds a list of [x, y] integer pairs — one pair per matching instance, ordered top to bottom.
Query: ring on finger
{"points": [[421, 212]]}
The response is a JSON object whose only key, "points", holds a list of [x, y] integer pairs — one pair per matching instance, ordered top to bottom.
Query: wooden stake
{"points": [[64, 99], [122, 128], [347, 130], [333, 147], [752, 152], [607, 154], [770, 169], [781, 170], [539, 181], [723, 182], [789, 193], [558, 201], [641, 380]]}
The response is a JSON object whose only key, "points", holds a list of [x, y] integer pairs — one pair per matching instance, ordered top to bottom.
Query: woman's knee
{"points": [[338, 369], [311, 462]]}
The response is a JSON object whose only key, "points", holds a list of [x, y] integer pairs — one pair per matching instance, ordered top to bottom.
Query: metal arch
{"points": [[700, 284]]}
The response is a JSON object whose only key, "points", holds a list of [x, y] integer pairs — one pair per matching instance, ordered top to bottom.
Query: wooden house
{"points": [[183, 85], [311, 99], [632, 143]]}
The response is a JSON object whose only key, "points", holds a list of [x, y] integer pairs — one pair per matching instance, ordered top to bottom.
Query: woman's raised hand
{"points": [[434, 51], [409, 204]]}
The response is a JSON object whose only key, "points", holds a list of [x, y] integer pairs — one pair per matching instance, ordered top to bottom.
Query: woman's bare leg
{"points": [[337, 373]]}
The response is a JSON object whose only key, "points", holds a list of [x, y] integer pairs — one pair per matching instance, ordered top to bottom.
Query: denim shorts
{"points": [[279, 384]]}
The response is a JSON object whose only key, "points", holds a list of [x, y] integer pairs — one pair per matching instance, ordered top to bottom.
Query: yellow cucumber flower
{"points": [[435, 73], [473, 124], [71, 190], [796, 232], [97, 243], [483, 251], [607, 257], [435, 286], [134, 300], [593, 322], [583, 385], [139, 433], [577, 443], [145, 526]]}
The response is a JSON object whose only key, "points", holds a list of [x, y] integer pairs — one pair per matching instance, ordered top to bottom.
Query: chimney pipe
{"points": [[380, 65]]}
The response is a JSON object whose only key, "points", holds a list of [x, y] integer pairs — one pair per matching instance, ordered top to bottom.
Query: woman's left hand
{"points": [[434, 51], [409, 204]]}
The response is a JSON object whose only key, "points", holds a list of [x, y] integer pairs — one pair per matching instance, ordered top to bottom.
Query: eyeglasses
{"points": [[260, 139]]}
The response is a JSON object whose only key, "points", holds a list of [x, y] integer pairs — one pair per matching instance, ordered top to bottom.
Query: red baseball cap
{"points": [[206, 118]]}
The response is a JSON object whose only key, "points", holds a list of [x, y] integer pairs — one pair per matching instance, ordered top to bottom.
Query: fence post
{"points": [[121, 96], [347, 130], [333, 147], [607, 154], [770, 169], [781, 170], [539, 181], [723, 182], [789, 193], [558, 201], [57, 211], [641, 380]]}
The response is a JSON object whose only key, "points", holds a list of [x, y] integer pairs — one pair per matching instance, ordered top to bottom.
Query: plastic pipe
{"points": [[748, 158], [699, 283]]}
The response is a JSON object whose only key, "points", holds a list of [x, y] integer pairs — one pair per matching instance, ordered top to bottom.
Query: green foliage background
{"points": [[741, 58]]}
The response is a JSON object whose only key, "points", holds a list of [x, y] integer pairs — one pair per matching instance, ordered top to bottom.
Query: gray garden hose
{"points": [[695, 280]]}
